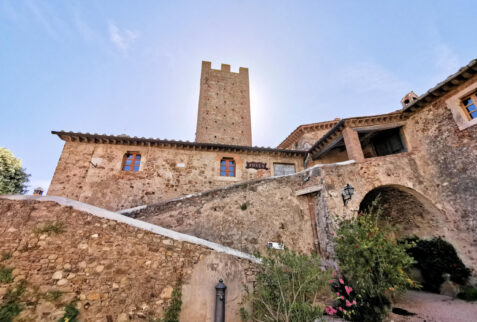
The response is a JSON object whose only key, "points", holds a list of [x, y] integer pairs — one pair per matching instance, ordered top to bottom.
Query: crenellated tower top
{"points": [[224, 106]]}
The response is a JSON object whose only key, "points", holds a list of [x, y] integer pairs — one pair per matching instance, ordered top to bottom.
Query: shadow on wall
{"points": [[407, 210]]}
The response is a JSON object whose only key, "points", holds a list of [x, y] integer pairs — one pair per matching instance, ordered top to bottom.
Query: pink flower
{"points": [[334, 274], [331, 281], [341, 281], [348, 289], [338, 293], [342, 297], [354, 302], [348, 303], [341, 309], [330, 310]]}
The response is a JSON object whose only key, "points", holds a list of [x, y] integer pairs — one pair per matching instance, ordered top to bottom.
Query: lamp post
{"points": [[347, 193], [220, 301]]}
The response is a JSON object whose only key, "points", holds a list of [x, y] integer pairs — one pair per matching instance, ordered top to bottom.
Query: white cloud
{"points": [[121, 39], [371, 78]]}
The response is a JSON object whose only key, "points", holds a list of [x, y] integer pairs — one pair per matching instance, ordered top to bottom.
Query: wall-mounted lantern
{"points": [[347, 193]]}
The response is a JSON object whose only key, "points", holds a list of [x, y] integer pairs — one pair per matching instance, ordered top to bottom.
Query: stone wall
{"points": [[452, 155], [438, 170], [91, 173], [271, 202], [244, 216], [114, 271]]}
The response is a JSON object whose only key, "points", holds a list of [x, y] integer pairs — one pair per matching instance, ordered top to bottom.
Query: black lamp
{"points": [[347, 193]]}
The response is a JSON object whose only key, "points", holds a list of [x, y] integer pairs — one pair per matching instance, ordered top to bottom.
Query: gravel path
{"points": [[431, 307]]}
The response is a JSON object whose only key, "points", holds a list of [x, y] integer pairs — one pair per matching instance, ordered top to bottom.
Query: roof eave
{"points": [[441, 89], [112, 139]]}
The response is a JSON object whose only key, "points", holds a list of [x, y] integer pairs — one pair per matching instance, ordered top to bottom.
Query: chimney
{"points": [[408, 99]]}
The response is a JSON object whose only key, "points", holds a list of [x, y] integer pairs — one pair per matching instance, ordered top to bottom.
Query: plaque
{"points": [[256, 165]]}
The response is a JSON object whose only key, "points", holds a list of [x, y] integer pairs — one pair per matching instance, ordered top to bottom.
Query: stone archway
{"points": [[408, 211]]}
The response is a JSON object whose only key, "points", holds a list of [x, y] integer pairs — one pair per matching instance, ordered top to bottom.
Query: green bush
{"points": [[13, 179], [51, 228], [6, 256], [434, 258], [372, 262], [6, 274], [287, 289], [468, 293], [52, 295], [11, 306], [174, 309], [71, 313]]}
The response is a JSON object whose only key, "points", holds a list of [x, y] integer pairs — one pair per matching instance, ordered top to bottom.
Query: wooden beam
{"points": [[327, 148], [309, 190]]}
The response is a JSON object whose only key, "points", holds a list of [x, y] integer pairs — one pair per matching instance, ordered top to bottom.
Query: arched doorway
{"points": [[408, 211]]}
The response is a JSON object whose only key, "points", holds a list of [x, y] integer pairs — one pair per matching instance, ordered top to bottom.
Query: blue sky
{"points": [[133, 67]]}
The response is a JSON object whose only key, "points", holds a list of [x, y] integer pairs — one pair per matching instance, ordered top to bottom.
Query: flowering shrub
{"points": [[372, 262], [346, 303]]}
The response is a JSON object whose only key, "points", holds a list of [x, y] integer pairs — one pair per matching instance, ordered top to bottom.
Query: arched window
{"points": [[132, 161], [227, 167]]}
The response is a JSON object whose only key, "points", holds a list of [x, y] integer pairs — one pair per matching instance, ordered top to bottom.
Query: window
{"points": [[470, 108], [388, 142], [131, 162], [227, 167], [282, 169]]}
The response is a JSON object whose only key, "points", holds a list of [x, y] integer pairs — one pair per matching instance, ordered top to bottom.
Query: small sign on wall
{"points": [[256, 165], [275, 245]]}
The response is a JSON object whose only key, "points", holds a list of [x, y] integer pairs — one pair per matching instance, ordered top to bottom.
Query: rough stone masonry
{"points": [[420, 158]]}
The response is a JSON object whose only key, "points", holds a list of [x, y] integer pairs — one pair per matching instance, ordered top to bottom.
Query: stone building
{"points": [[420, 159], [118, 172], [221, 192]]}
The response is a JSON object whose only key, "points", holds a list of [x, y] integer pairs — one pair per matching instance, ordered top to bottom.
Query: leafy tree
{"points": [[13, 178], [372, 262], [289, 288]]}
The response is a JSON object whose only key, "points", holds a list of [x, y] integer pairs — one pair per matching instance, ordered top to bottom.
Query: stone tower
{"points": [[224, 106]]}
